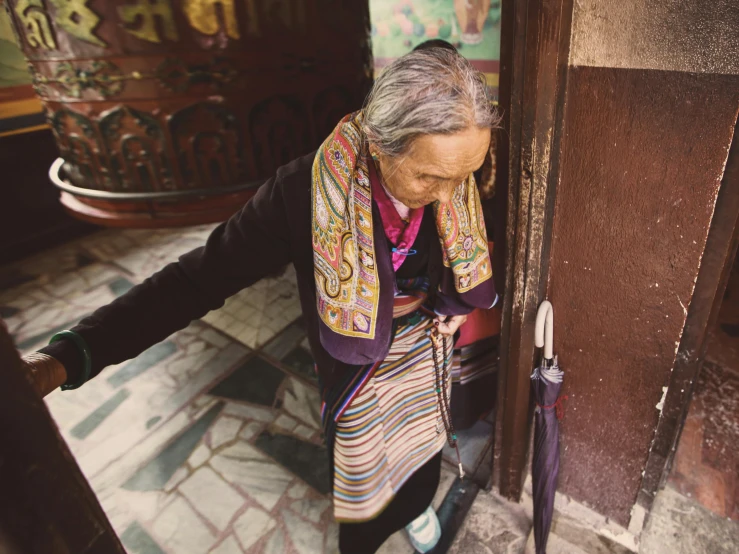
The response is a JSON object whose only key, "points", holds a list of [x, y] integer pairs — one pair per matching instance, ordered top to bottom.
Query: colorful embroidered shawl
{"points": [[347, 280]]}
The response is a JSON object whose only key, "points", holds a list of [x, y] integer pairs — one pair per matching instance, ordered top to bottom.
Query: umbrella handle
{"points": [[544, 332]]}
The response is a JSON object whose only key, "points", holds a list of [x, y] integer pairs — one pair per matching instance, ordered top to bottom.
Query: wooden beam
{"points": [[534, 62]]}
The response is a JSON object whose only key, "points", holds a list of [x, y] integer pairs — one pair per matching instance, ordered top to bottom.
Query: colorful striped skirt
{"points": [[390, 426]]}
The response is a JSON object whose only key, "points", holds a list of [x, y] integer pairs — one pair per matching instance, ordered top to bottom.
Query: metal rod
{"points": [[66, 186]]}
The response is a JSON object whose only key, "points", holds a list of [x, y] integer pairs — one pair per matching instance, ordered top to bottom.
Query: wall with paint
{"points": [[650, 108]]}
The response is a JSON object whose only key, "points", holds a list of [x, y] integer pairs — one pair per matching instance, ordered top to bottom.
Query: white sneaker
{"points": [[424, 531]]}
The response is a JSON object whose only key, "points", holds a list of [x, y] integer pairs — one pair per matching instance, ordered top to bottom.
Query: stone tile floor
{"points": [[209, 441], [677, 524]]}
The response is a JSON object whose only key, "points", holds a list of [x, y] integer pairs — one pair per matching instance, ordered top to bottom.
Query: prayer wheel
{"points": [[172, 112]]}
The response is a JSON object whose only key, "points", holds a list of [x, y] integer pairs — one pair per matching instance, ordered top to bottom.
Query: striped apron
{"points": [[387, 424]]}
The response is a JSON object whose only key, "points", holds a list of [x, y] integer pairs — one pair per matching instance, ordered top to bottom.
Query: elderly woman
{"points": [[385, 229]]}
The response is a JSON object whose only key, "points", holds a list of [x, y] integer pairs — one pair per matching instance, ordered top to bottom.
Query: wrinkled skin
{"points": [[430, 170]]}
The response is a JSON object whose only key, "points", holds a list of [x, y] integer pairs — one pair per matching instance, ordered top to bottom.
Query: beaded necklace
{"points": [[441, 381]]}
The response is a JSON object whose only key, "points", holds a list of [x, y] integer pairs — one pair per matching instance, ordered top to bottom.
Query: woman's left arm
{"points": [[251, 245]]}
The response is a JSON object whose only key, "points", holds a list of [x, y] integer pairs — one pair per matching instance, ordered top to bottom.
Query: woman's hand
{"points": [[448, 325], [46, 373]]}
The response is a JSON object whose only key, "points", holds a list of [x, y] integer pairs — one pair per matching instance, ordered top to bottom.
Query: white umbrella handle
{"points": [[544, 332]]}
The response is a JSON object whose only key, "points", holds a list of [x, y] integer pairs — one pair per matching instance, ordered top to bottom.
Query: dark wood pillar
{"points": [[46, 504]]}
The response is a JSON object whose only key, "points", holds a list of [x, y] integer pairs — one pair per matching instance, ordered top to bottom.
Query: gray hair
{"points": [[431, 91]]}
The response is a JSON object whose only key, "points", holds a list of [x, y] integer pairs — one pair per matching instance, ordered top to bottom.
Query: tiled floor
{"points": [[208, 441], [707, 461]]}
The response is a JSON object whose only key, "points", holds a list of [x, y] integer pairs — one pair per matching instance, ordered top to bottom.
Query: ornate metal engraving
{"points": [[148, 12], [203, 16], [78, 20], [35, 23], [176, 75], [101, 76], [278, 132], [208, 144], [136, 147]]}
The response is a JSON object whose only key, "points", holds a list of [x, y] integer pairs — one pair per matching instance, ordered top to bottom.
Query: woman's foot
{"points": [[424, 531]]}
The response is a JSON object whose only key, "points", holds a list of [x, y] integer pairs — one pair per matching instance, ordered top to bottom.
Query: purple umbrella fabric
{"points": [[546, 382]]}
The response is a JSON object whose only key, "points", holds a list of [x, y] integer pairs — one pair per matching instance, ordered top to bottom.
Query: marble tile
{"points": [[82, 259], [13, 277], [120, 286], [8, 311], [256, 314], [43, 336], [214, 337], [285, 342], [195, 347], [146, 360], [301, 362], [199, 371], [255, 381], [303, 402], [244, 411], [285, 422], [83, 429], [251, 430], [224, 431], [304, 432], [120, 436], [472, 445], [199, 456], [306, 460], [253, 473], [155, 474], [180, 474], [448, 475], [106, 476], [297, 491], [212, 497], [142, 506], [311, 509], [252, 525], [492, 525], [681, 525], [181, 530], [305, 538], [138, 541], [276, 543], [397, 543], [331, 545], [228, 546]]}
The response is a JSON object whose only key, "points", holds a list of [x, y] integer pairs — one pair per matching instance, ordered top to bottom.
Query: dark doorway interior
{"points": [[706, 465]]}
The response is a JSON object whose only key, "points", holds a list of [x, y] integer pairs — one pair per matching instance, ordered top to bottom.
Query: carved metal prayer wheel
{"points": [[171, 112]]}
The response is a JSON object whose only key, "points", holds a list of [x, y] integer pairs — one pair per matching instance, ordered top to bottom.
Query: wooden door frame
{"points": [[535, 44], [716, 265]]}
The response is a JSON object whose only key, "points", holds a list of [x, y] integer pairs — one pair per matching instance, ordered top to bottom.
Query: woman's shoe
{"points": [[424, 531]]}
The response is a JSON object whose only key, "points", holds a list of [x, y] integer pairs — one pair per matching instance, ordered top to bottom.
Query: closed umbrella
{"points": [[546, 382]]}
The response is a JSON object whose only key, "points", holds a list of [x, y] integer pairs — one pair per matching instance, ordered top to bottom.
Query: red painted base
{"points": [[153, 215]]}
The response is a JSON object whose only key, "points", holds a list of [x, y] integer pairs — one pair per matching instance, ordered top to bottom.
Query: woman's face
{"points": [[434, 166]]}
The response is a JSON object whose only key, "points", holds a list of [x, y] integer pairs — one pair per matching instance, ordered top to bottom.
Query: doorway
{"points": [[706, 465]]}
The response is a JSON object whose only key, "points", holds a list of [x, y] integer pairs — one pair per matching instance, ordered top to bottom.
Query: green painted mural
{"points": [[472, 26]]}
